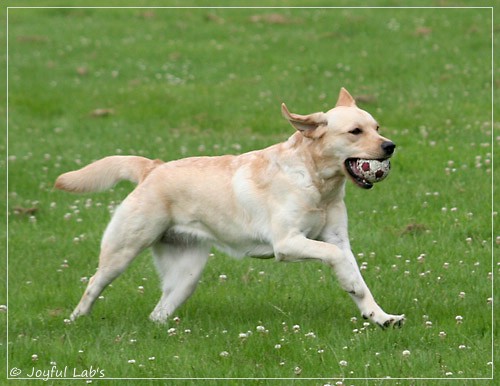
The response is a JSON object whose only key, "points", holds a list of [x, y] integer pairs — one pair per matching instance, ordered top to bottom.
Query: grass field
{"points": [[170, 83]]}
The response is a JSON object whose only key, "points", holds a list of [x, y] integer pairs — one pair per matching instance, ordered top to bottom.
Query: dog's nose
{"points": [[388, 147]]}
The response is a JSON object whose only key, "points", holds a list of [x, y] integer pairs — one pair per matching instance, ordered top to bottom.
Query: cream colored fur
{"points": [[285, 200]]}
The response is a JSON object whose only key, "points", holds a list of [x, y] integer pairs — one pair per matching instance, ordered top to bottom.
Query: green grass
{"points": [[210, 81]]}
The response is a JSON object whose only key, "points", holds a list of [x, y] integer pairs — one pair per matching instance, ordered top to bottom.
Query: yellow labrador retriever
{"points": [[285, 200]]}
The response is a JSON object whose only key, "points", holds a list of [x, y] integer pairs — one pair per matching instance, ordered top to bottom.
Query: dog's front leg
{"points": [[299, 247], [348, 273]]}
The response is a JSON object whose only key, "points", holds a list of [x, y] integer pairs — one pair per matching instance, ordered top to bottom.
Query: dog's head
{"points": [[342, 135]]}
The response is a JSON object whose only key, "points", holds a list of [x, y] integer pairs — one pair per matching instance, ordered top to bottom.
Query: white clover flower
{"points": [[459, 319], [172, 331], [406, 353], [224, 354], [34, 357], [131, 361], [343, 363]]}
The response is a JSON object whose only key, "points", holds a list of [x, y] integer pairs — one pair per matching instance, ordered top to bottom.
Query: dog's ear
{"points": [[345, 99], [306, 124]]}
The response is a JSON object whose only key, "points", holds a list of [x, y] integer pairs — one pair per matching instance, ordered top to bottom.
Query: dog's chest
{"points": [[313, 222]]}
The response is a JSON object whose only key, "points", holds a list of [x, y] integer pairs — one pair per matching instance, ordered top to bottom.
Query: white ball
{"points": [[373, 170], [365, 172]]}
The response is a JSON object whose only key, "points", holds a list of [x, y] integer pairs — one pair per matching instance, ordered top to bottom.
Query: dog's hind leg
{"points": [[128, 233], [180, 267]]}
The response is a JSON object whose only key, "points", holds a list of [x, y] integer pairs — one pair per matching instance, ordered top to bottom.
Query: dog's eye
{"points": [[378, 127], [356, 131]]}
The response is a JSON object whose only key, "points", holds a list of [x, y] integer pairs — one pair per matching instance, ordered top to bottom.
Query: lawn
{"points": [[171, 83]]}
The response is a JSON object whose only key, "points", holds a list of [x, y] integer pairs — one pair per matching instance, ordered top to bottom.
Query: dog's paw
{"points": [[75, 315], [159, 317], [385, 321], [395, 321]]}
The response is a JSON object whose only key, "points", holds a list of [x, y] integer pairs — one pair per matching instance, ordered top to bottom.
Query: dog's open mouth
{"points": [[365, 172]]}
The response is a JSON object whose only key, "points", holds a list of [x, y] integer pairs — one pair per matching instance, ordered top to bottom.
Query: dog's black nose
{"points": [[388, 147]]}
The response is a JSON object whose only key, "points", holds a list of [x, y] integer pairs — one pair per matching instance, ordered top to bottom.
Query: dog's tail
{"points": [[105, 173]]}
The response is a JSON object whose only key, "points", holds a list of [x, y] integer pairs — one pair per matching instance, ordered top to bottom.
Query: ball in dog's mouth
{"points": [[366, 172]]}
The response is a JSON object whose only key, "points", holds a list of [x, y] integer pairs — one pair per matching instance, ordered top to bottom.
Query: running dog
{"points": [[284, 201]]}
